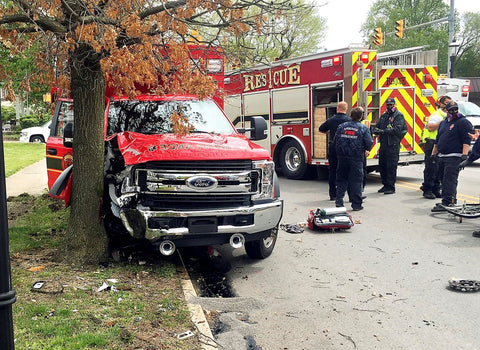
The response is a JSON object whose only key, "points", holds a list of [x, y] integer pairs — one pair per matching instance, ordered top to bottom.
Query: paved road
{"points": [[31, 180], [380, 285]]}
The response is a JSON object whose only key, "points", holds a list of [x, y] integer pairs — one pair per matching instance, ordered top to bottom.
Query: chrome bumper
{"points": [[266, 216]]}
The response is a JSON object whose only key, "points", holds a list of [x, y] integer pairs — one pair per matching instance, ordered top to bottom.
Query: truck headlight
{"points": [[266, 171]]}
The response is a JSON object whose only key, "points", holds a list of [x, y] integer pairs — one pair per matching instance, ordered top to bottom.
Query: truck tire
{"points": [[37, 139], [293, 162], [262, 248]]}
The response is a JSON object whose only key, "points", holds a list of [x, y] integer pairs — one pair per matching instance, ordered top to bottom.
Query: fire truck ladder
{"points": [[372, 108]]}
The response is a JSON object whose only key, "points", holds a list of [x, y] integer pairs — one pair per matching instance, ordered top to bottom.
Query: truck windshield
{"points": [[155, 117]]}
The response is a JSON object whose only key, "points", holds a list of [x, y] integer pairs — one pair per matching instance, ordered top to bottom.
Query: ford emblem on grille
{"points": [[202, 182]]}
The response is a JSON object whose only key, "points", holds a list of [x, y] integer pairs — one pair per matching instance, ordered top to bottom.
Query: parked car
{"points": [[472, 112], [6, 127], [36, 133]]}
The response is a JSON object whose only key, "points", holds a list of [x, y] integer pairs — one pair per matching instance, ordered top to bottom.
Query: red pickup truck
{"points": [[211, 186]]}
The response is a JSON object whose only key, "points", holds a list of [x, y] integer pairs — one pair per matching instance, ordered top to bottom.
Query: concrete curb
{"points": [[196, 312]]}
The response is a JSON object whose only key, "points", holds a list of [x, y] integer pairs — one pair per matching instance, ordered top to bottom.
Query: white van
{"points": [[456, 88]]}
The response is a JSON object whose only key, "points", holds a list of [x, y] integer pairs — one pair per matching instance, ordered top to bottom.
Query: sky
{"points": [[345, 17]]}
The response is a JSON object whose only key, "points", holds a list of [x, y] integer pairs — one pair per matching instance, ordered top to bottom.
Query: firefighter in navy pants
{"points": [[330, 126], [391, 129], [352, 142], [451, 148], [473, 157]]}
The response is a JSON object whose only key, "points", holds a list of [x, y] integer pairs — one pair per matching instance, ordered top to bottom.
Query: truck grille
{"points": [[163, 185]]}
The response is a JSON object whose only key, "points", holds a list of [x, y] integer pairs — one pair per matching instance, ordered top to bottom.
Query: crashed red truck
{"points": [[212, 186]]}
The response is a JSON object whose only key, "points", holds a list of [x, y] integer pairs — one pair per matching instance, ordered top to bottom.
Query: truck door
{"points": [[58, 156]]}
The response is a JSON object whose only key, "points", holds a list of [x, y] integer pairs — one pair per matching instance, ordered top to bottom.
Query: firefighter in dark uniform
{"points": [[330, 126], [391, 128], [352, 143], [451, 149], [473, 157], [431, 183]]}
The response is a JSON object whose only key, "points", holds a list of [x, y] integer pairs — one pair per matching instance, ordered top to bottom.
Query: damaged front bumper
{"points": [[158, 225]]}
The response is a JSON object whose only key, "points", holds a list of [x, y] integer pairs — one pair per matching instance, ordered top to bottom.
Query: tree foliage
{"points": [[384, 13], [299, 32], [89, 45], [468, 53]]}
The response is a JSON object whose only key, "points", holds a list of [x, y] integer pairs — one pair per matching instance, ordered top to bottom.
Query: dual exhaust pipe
{"points": [[167, 247]]}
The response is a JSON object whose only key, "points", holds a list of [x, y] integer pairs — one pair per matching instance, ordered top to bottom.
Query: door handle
{"points": [[52, 151]]}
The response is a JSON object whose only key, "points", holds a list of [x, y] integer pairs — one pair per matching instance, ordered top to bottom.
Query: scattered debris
{"points": [[291, 228], [463, 285], [105, 286], [47, 287], [185, 335], [348, 338]]}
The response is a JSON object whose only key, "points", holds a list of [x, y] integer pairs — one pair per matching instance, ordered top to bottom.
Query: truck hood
{"points": [[139, 148]]}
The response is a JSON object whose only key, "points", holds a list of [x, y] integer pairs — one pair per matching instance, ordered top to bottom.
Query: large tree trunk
{"points": [[86, 237]]}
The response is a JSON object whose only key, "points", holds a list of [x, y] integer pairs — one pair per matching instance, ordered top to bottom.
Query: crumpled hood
{"points": [[139, 148]]}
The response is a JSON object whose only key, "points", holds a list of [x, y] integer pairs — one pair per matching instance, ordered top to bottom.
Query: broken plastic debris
{"points": [[38, 285], [185, 335]]}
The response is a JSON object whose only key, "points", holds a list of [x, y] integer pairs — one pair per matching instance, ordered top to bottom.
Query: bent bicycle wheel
{"points": [[469, 211]]}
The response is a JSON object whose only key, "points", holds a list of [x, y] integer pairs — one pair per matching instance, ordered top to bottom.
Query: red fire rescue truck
{"points": [[296, 95], [212, 186]]}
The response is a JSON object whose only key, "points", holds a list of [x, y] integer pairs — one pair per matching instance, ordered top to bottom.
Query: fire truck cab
{"points": [[297, 95]]}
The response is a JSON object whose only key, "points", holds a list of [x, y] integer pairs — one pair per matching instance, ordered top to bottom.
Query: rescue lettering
{"points": [[283, 77], [396, 81], [253, 82]]}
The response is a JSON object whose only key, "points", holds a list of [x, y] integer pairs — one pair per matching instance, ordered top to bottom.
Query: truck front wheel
{"points": [[293, 162], [262, 248]]}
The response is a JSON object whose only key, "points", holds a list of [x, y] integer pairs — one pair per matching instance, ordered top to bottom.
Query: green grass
{"points": [[19, 155], [146, 311]]}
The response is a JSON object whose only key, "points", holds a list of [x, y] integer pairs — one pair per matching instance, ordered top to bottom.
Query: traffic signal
{"points": [[399, 28], [378, 37]]}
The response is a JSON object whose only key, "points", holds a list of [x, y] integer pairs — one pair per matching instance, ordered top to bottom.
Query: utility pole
{"points": [[451, 39], [7, 294]]}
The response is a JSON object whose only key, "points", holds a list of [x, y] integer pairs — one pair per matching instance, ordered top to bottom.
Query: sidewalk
{"points": [[31, 180]]}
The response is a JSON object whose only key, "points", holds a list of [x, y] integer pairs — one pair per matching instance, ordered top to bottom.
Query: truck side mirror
{"points": [[258, 128], [68, 135]]}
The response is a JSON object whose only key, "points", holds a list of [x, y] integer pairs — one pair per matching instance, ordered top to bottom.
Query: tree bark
{"points": [[86, 239]]}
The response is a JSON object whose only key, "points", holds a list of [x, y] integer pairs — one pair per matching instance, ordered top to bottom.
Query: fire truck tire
{"points": [[293, 162], [262, 248]]}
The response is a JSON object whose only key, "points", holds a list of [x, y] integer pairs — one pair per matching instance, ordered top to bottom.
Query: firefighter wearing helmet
{"points": [[391, 128], [431, 183]]}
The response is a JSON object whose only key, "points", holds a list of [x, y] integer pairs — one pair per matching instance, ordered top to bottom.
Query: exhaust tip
{"points": [[237, 240], [167, 248]]}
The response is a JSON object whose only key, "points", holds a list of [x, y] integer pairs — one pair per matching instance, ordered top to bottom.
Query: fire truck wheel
{"points": [[293, 162], [262, 248]]}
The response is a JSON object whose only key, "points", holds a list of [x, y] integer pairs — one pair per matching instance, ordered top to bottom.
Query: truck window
{"points": [[65, 116], [154, 117]]}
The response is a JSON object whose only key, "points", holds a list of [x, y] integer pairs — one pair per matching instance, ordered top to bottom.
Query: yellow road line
{"points": [[460, 196]]}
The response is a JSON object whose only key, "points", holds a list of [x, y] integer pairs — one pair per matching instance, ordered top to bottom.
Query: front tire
{"points": [[37, 139], [292, 159], [262, 248]]}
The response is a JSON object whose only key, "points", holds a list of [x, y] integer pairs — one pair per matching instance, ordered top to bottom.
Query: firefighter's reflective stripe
{"points": [[426, 134]]}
